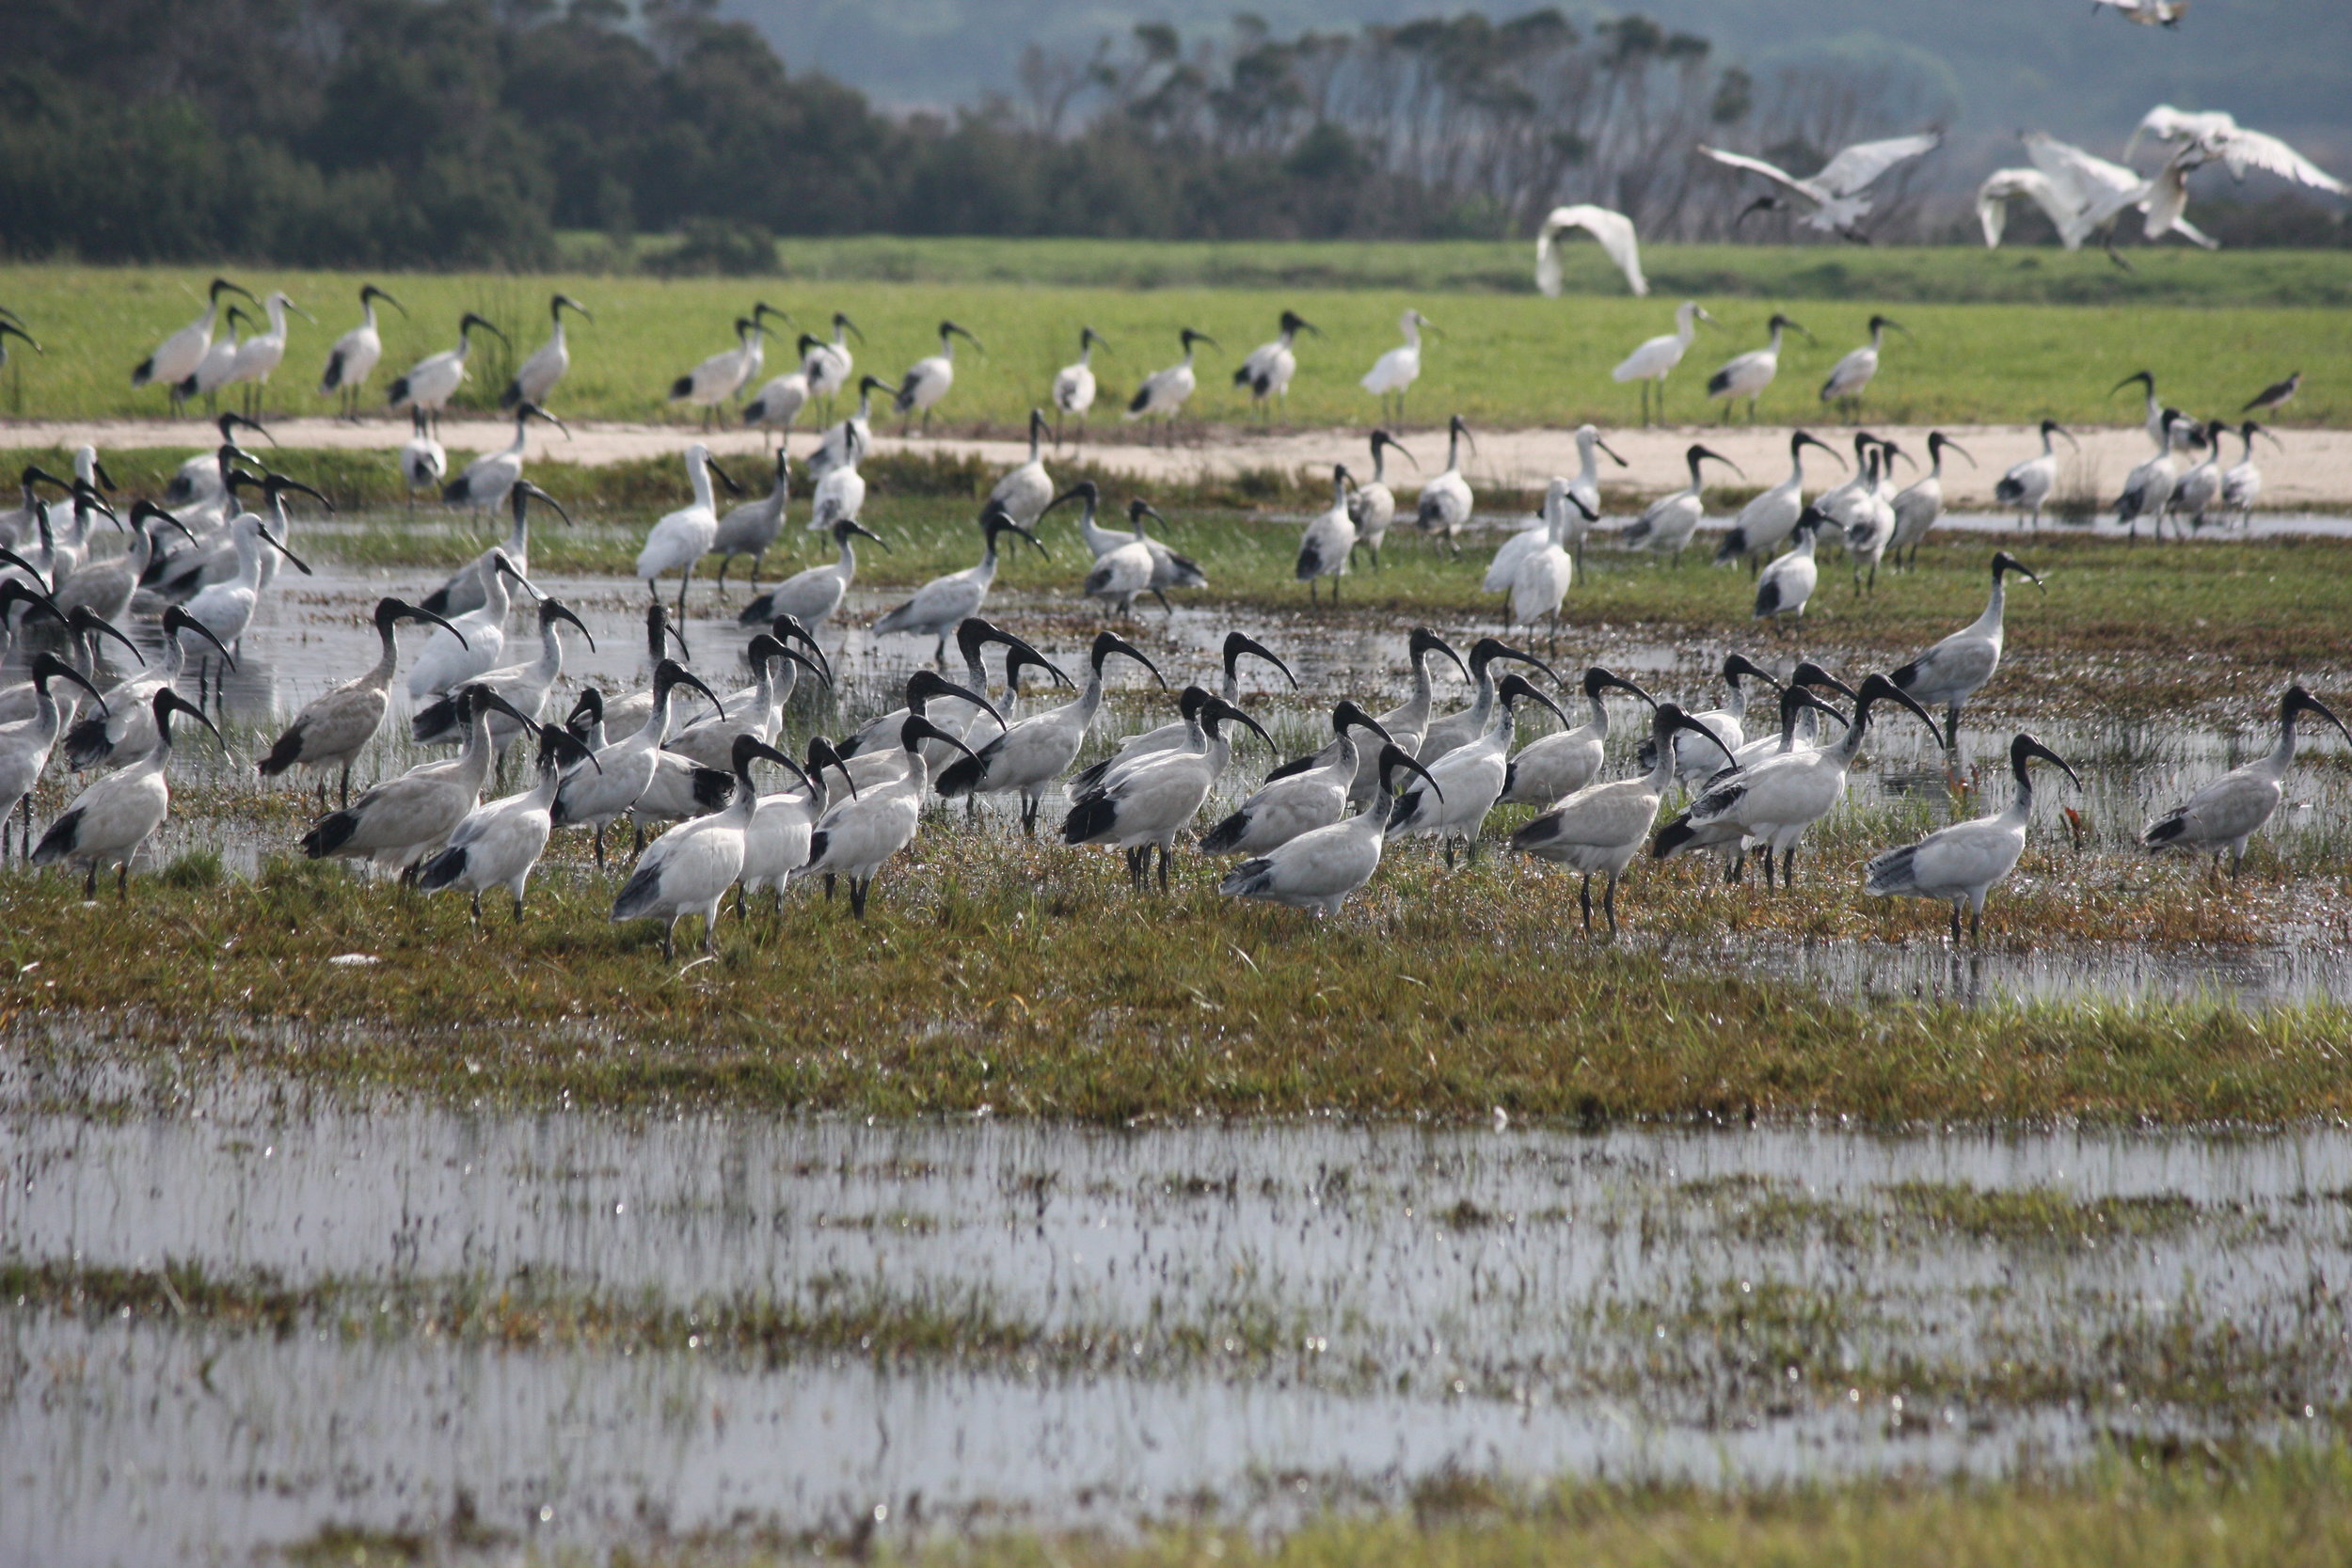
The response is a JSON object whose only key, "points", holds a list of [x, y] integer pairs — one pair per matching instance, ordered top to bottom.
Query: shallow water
{"points": [[1376, 1308]]}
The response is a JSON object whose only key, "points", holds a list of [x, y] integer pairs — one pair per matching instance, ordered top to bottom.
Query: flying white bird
{"points": [[2148, 13], [2218, 135], [1835, 193], [1614, 231]]}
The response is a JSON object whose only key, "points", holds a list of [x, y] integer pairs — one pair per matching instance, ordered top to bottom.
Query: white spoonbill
{"points": [[2216, 133], [1835, 195], [1614, 231], [258, 356], [1656, 358], [1393, 373], [683, 537], [2235, 807]]}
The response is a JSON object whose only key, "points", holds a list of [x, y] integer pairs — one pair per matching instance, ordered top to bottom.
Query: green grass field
{"points": [[1511, 358]]}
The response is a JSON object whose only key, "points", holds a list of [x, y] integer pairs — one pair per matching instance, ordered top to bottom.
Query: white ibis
{"points": [[2146, 13], [2216, 133], [1836, 197], [1614, 231], [258, 356], [176, 357], [354, 357], [1656, 358], [829, 365], [219, 367], [1267, 369], [729, 371], [1854, 372], [1393, 373], [1747, 375], [929, 379], [433, 380], [535, 380], [1073, 383], [1164, 393], [778, 403], [2160, 417], [844, 443], [423, 460], [205, 479], [487, 479], [2241, 482], [2027, 485], [2148, 489], [840, 490], [1026, 491], [1444, 504], [1373, 506], [1920, 507], [1770, 517], [1666, 524], [752, 528], [683, 537], [1330, 540], [1168, 569], [1119, 573], [1785, 585], [104, 586], [1539, 586], [465, 590], [814, 595], [943, 602], [226, 608], [973, 638], [468, 644], [1238, 646], [1959, 667], [526, 686], [1799, 710], [1406, 724], [336, 726], [1459, 728], [124, 730], [26, 743], [1035, 750], [882, 758], [1695, 764], [1556, 766], [1467, 780], [596, 797], [1775, 801], [1300, 803], [1146, 805], [2235, 807], [112, 817], [406, 820], [1598, 829], [856, 837], [499, 842], [776, 844], [1958, 864], [1321, 868], [689, 869]]}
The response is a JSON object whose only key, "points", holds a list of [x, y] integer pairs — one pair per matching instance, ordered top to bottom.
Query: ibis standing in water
{"points": [[176, 357], [354, 357], [1656, 358], [1267, 370], [1393, 373], [1852, 374], [1747, 375], [929, 378], [433, 380], [535, 381], [1073, 383], [1164, 393], [489, 477], [2026, 486], [1444, 505], [1373, 506], [1921, 507], [1771, 517], [1667, 523], [751, 528], [683, 537], [1330, 538], [1783, 587], [465, 589], [814, 595], [944, 603], [472, 642], [1238, 645], [1962, 664], [525, 686], [336, 726], [1461, 727], [123, 729], [26, 744], [1034, 752], [1560, 764], [625, 767], [1467, 780], [1774, 801], [1299, 802], [1145, 806], [2235, 807], [109, 820], [403, 821], [1598, 829], [857, 837], [501, 841], [1958, 864], [689, 869], [1319, 869]]}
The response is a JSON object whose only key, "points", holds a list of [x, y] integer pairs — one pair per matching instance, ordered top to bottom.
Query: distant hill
{"points": [[2001, 65]]}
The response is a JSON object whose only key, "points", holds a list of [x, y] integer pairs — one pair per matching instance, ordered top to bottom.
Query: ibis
{"points": [[1837, 198], [1614, 231], [258, 356], [176, 357], [354, 357], [1655, 358], [829, 365], [219, 367], [1267, 369], [729, 371], [1393, 373], [1748, 374], [1852, 374], [929, 379], [433, 380], [535, 381], [1073, 383], [1164, 393], [778, 403], [844, 443], [423, 460], [489, 478], [2242, 482], [2026, 486], [2148, 489], [840, 490], [1026, 491], [1444, 504], [1371, 507], [1920, 507], [1771, 517], [1666, 524], [752, 528], [1330, 540], [1539, 584], [1785, 585], [104, 586], [467, 589], [814, 595], [943, 602], [226, 608], [973, 638], [468, 644], [1238, 646], [1959, 667], [526, 686], [758, 713], [1406, 724], [1727, 725], [336, 726], [125, 728], [1458, 729], [27, 742], [1034, 752], [1558, 765], [625, 767], [1467, 780], [1300, 803], [1144, 806], [2235, 807], [114, 815], [405, 821], [1598, 829], [856, 837], [501, 841], [775, 845], [1958, 864], [1322, 867], [689, 869]]}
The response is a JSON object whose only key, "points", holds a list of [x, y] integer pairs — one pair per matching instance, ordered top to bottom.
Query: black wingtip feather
{"points": [[682, 388], [85, 743], [281, 756], [961, 778], [1089, 819], [332, 833], [1226, 836], [1673, 836], [58, 842], [442, 869]]}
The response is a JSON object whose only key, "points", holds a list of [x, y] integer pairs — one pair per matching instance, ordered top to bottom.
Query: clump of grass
{"points": [[193, 871]]}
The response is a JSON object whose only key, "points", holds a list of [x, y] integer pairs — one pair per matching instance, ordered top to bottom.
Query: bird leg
{"points": [[683, 580], [600, 847], [1164, 859], [1789, 868], [90, 883], [857, 894], [1584, 897], [739, 900], [1609, 903], [477, 907], [1956, 922], [669, 940]]}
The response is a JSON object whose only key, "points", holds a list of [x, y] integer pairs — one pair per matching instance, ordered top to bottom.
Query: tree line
{"points": [[466, 133]]}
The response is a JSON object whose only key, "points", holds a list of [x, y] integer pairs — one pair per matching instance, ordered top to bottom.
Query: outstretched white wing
{"points": [[2244, 150], [1864, 161], [1758, 165], [2004, 185], [2096, 189], [1614, 231]]}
